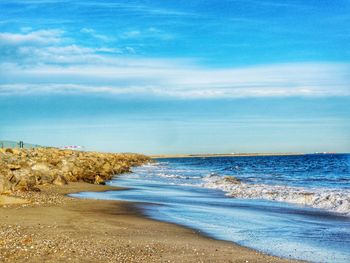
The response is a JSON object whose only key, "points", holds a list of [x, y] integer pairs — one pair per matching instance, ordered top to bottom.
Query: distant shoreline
{"points": [[222, 155], [158, 156]]}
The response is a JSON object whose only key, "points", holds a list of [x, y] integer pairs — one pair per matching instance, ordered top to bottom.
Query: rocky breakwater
{"points": [[22, 170]]}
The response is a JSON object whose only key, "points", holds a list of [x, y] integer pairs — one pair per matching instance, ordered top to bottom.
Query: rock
{"points": [[9, 150], [12, 151], [14, 167], [41, 167], [106, 167], [22, 169], [17, 175], [44, 179], [60, 180], [99, 180], [232, 180], [25, 183], [5, 185]]}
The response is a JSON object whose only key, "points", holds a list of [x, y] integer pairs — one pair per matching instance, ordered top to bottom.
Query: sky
{"points": [[167, 77]]}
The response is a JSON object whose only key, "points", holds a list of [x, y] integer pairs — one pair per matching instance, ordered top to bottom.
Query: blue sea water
{"points": [[290, 206]]}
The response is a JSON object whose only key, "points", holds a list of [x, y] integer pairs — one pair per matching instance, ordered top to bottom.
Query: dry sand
{"points": [[55, 228]]}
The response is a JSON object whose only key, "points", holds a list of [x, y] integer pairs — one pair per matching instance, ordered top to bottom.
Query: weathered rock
{"points": [[9, 150], [14, 167], [41, 167], [22, 169], [20, 174], [44, 179], [60, 180], [98, 180], [232, 180], [25, 183], [5, 185]]}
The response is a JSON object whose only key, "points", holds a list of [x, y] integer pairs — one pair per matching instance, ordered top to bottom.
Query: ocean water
{"points": [[290, 206]]}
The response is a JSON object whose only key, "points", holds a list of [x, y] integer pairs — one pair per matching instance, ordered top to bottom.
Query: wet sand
{"points": [[52, 227]]}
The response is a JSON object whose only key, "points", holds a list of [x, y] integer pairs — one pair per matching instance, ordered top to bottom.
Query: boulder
{"points": [[14, 167], [41, 167], [22, 169], [44, 179], [60, 180], [98, 180], [232, 180], [25, 183], [5, 185]]}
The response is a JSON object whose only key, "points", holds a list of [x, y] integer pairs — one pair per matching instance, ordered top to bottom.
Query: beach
{"points": [[174, 131], [73, 206], [294, 207], [52, 227]]}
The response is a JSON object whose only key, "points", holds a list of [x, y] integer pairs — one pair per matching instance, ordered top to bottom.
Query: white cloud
{"points": [[129, 6], [140, 9], [151, 32], [131, 34], [96, 35], [41, 37], [51, 46], [130, 50], [43, 62], [183, 82]]}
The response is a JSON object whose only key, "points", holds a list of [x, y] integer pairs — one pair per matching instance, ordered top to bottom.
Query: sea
{"points": [[296, 207]]}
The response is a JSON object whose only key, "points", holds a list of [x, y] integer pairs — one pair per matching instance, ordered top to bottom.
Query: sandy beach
{"points": [[174, 131], [51, 227]]}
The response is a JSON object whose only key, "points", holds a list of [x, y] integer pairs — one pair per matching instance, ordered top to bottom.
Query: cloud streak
{"points": [[127, 5], [152, 32], [94, 34], [40, 37], [43, 62], [311, 80]]}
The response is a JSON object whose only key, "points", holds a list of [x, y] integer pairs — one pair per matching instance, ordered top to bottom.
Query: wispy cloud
{"points": [[43, 2], [281, 4], [135, 8], [151, 32], [96, 35], [41, 37], [51, 47], [44, 62], [177, 81]]}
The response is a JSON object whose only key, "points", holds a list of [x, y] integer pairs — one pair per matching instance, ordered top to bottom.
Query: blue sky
{"points": [[176, 76]]}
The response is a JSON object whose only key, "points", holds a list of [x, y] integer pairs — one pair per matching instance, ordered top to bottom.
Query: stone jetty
{"points": [[26, 169]]}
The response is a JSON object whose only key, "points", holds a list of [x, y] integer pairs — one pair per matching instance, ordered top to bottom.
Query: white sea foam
{"points": [[178, 176], [332, 200]]}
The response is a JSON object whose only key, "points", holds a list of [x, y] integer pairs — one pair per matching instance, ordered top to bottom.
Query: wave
{"points": [[168, 175], [328, 199]]}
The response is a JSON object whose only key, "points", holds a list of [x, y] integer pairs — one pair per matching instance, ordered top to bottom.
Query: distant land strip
{"points": [[226, 155]]}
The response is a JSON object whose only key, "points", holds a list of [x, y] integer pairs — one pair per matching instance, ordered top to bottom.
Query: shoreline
{"points": [[170, 156], [116, 231]]}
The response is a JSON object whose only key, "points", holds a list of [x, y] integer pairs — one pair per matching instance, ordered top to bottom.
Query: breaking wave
{"points": [[168, 175], [328, 199]]}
